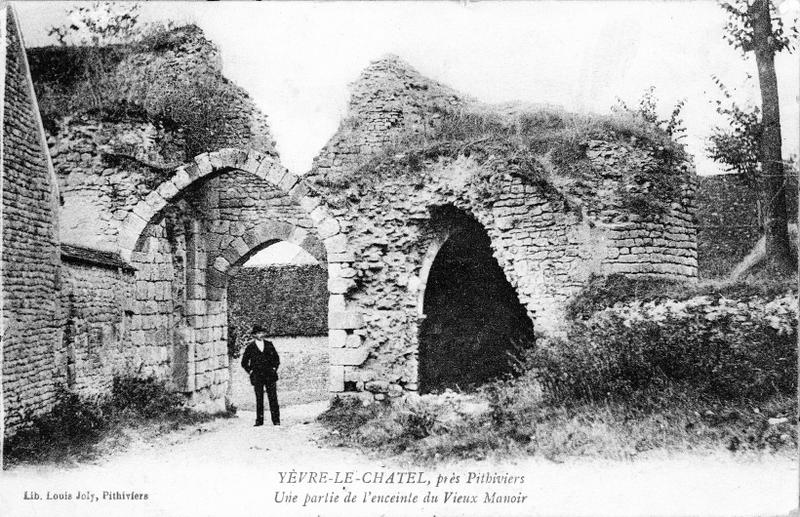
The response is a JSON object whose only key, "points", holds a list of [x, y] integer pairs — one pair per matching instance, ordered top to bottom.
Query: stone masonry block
{"points": [[232, 157], [254, 159], [216, 160], [203, 164], [264, 167], [276, 174], [181, 179], [288, 181], [167, 190], [298, 192], [155, 200], [309, 203], [144, 210], [319, 214], [327, 228], [298, 236], [251, 239], [336, 244], [240, 246], [341, 257], [221, 265], [340, 285], [336, 303], [345, 320], [337, 338], [349, 356], [336, 378]]}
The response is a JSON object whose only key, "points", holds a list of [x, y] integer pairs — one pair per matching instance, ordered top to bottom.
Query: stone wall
{"points": [[388, 98], [111, 155], [549, 230], [30, 258], [95, 302]]}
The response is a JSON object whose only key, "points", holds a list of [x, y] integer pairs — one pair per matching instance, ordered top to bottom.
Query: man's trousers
{"points": [[272, 396]]}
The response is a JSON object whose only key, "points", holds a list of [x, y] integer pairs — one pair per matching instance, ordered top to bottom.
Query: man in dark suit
{"points": [[260, 360]]}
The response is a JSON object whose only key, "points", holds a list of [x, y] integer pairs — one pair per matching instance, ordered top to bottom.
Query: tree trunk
{"points": [[780, 251]]}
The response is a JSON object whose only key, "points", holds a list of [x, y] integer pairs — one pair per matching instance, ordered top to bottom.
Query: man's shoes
{"points": [[276, 423], [257, 424]]}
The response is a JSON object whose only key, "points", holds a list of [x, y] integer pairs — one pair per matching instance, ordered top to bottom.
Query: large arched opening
{"points": [[187, 240], [283, 288], [474, 327]]}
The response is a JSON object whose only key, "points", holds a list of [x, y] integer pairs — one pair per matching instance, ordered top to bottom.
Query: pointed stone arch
{"points": [[211, 164], [231, 257]]}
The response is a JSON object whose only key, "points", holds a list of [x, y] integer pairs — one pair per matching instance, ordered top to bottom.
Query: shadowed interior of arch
{"points": [[283, 288], [474, 326]]}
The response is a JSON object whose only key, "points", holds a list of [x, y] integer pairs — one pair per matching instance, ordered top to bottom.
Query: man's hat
{"points": [[257, 328]]}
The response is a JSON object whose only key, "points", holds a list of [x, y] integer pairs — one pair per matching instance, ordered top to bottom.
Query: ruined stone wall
{"points": [[387, 98], [110, 156], [99, 189], [550, 231], [659, 242], [547, 250], [30, 257], [95, 316]]}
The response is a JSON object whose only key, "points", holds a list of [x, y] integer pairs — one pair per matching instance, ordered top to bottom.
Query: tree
{"points": [[99, 23], [755, 26]]}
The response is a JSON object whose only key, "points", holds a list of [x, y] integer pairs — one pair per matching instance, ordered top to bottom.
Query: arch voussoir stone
{"points": [[204, 166]]}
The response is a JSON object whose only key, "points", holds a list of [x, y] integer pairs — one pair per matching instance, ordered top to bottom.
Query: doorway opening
{"points": [[283, 289], [475, 329]]}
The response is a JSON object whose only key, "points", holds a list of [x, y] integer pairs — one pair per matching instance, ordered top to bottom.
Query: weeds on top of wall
{"points": [[167, 76], [541, 146], [602, 292]]}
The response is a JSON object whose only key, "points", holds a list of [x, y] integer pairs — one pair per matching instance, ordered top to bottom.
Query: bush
{"points": [[603, 292], [719, 348], [703, 374], [147, 397], [77, 425], [67, 430]]}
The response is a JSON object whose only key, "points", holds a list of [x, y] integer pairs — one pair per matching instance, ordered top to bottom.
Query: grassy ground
{"points": [[617, 393], [433, 428], [81, 429]]}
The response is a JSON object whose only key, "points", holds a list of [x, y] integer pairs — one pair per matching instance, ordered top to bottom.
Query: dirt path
{"points": [[228, 467]]}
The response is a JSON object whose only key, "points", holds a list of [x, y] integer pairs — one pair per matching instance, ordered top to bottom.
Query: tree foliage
{"points": [[99, 23], [739, 27], [647, 109], [738, 145]]}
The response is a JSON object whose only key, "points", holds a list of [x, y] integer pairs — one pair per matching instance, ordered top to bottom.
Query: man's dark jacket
{"points": [[262, 366]]}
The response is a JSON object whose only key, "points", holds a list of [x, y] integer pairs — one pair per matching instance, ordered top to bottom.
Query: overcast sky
{"points": [[296, 59]]}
